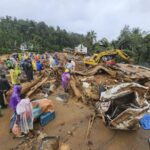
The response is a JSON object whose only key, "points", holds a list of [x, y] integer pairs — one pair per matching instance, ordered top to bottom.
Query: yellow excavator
{"points": [[103, 56]]}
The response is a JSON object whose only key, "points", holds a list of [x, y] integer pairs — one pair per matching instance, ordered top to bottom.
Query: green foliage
{"points": [[37, 36], [40, 37], [90, 40], [133, 41], [137, 42]]}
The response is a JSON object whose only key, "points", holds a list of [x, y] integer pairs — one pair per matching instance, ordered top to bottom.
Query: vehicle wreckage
{"points": [[123, 105]]}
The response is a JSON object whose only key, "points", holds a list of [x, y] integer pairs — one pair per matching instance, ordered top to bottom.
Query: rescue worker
{"points": [[20, 56], [37, 57], [56, 58], [51, 62], [9, 63], [34, 65], [69, 65], [73, 65], [39, 66], [17, 68], [28, 69], [14, 75], [66, 80], [4, 87], [14, 100]]}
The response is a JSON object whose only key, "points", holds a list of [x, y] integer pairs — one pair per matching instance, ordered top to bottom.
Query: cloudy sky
{"points": [[105, 17]]}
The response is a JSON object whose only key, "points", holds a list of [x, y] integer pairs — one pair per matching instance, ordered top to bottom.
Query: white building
{"points": [[23, 47], [81, 49]]}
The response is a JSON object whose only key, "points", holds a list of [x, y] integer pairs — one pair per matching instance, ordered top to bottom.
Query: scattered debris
{"points": [[120, 94], [62, 97], [123, 105], [91, 121], [145, 122], [70, 133], [39, 142], [64, 146]]}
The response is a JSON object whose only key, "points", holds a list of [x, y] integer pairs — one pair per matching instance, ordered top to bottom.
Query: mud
{"points": [[71, 125]]}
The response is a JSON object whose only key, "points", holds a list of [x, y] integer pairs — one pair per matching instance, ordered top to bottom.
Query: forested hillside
{"points": [[38, 36]]}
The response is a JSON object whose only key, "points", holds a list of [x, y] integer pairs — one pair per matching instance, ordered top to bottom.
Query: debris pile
{"points": [[119, 94], [124, 100], [123, 106], [41, 141]]}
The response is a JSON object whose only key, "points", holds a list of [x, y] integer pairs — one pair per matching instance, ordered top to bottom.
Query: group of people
{"points": [[27, 64], [13, 67]]}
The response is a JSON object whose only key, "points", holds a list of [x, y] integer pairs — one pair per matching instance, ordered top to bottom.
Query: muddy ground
{"points": [[73, 118]]}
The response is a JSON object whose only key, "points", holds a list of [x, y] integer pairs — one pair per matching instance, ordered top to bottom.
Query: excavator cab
{"points": [[91, 60]]}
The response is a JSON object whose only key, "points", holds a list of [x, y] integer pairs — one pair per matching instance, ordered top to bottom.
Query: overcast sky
{"points": [[105, 17]]}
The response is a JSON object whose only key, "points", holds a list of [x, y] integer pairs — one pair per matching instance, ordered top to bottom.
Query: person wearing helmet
{"points": [[69, 65], [66, 80]]}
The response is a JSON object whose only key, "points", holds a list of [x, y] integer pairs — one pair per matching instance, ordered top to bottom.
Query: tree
{"points": [[36, 35], [90, 39]]}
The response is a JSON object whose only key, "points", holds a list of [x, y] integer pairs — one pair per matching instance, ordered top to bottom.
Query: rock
{"points": [[62, 97], [62, 123], [73, 128], [59, 130], [69, 133], [41, 136], [90, 142], [65, 147]]}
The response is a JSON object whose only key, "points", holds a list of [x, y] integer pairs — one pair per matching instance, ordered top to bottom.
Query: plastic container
{"points": [[36, 112], [46, 118]]}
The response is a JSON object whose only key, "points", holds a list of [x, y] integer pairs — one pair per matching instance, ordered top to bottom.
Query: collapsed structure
{"points": [[119, 93], [126, 97], [121, 104]]}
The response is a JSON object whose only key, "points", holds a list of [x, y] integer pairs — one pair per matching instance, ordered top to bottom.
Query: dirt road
{"points": [[71, 124]]}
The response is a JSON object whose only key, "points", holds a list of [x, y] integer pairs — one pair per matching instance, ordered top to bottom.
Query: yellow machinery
{"points": [[102, 56]]}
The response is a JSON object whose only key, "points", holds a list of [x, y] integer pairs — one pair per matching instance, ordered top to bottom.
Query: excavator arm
{"points": [[123, 55], [97, 58]]}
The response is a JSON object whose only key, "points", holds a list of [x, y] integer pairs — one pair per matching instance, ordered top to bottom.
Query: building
{"points": [[23, 47], [81, 49]]}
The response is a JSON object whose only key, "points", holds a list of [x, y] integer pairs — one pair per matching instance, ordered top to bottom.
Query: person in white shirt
{"points": [[69, 65], [73, 65]]}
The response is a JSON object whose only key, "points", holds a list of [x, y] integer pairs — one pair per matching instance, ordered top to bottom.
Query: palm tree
{"points": [[90, 39]]}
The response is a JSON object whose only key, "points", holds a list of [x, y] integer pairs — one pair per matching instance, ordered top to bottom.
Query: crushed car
{"points": [[123, 105]]}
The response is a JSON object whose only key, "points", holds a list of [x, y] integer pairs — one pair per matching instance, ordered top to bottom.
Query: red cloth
{"points": [[36, 58], [110, 62]]}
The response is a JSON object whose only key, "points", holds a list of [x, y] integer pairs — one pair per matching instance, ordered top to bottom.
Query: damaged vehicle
{"points": [[123, 105]]}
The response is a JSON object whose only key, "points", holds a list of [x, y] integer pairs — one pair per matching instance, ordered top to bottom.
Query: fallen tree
{"points": [[95, 70], [25, 87], [33, 89], [76, 91]]}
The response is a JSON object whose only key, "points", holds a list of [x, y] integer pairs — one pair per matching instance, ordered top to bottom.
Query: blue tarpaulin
{"points": [[145, 122]]}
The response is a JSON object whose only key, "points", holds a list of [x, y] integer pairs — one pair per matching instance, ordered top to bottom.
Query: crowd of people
{"points": [[26, 65]]}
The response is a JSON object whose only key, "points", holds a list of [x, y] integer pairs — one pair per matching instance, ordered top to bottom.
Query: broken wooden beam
{"points": [[33, 89]]}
